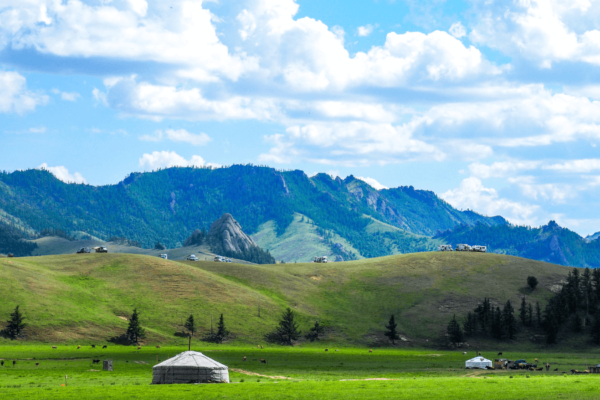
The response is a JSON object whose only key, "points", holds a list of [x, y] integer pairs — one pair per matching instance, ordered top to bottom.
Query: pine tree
{"points": [[532, 282], [523, 311], [538, 314], [529, 315], [508, 320], [576, 323], [15, 324], [190, 325], [470, 325], [550, 325], [596, 328], [498, 329], [287, 331], [391, 331], [135, 332], [222, 332], [315, 332], [455, 334]]}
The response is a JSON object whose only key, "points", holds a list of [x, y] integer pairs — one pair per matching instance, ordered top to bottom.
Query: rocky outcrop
{"points": [[228, 232]]}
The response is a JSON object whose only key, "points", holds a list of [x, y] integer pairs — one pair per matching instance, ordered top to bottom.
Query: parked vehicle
{"points": [[445, 247], [463, 247], [101, 249], [480, 249], [84, 250], [164, 256], [192, 257], [220, 259], [322, 259], [229, 260], [521, 364]]}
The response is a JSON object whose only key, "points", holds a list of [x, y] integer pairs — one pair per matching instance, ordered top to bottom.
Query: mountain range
{"points": [[292, 215]]}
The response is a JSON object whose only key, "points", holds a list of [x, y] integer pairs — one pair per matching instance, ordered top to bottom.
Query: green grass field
{"points": [[84, 298], [291, 373]]}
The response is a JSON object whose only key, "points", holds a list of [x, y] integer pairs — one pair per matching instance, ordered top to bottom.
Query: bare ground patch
{"points": [[242, 371]]}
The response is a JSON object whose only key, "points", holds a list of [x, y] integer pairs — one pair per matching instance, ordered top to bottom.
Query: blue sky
{"points": [[493, 105]]}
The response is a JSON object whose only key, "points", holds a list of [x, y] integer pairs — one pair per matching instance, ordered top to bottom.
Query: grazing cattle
{"points": [[93, 346], [258, 346], [54, 347], [78, 347], [105, 347], [139, 347], [158, 347], [261, 347], [326, 349], [336, 350], [370, 351], [464, 353], [479, 353], [500, 353], [244, 359], [262, 360], [536, 360], [95, 361], [14, 362], [2, 363], [37, 364], [547, 367], [539, 369], [555, 369]]}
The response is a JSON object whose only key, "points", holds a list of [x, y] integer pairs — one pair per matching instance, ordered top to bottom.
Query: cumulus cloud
{"points": [[365, 30], [458, 30], [14, 96], [180, 135], [166, 159], [576, 166], [501, 169], [62, 173], [372, 182], [548, 191], [472, 194]]}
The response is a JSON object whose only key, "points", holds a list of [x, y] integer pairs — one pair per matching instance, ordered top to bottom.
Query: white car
{"points": [[445, 247], [101, 249], [480, 249], [164, 256], [192, 257], [322, 259]]}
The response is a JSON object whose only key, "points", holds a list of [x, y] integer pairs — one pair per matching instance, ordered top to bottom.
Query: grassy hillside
{"points": [[88, 296]]}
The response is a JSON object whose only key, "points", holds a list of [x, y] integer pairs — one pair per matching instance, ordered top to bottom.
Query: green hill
{"points": [[87, 297]]}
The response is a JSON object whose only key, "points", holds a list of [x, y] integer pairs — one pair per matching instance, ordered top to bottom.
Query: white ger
{"points": [[190, 367]]}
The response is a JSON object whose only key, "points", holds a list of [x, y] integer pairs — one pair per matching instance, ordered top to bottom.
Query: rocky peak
{"points": [[227, 231]]}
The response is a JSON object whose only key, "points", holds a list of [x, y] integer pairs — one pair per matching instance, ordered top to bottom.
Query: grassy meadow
{"points": [[291, 373]]}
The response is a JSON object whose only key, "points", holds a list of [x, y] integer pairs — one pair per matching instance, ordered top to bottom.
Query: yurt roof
{"points": [[191, 359], [478, 359]]}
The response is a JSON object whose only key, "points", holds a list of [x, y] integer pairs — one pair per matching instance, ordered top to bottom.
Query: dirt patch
{"points": [[316, 278], [123, 318], [140, 362], [93, 370], [241, 371], [369, 379]]}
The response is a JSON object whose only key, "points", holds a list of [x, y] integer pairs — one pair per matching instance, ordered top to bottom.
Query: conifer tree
{"points": [[532, 282], [523, 311], [538, 314], [529, 315], [508, 320], [576, 323], [15, 324], [190, 325], [470, 325], [550, 325], [596, 328], [498, 330], [287, 331], [391, 331], [135, 332], [222, 332], [315, 332], [455, 334]]}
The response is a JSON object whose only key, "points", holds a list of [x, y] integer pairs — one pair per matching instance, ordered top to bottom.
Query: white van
{"points": [[445, 247], [463, 247], [480, 249], [164, 256], [192, 257]]}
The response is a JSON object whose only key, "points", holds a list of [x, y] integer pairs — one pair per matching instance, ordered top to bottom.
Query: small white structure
{"points": [[445, 247], [463, 247], [101, 249], [479, 249], [164, 256], [192, 257], [220, 259], [322, 259], [478, 362], [190, 367]]}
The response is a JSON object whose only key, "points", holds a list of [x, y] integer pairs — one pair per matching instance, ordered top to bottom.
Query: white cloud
{"points": [[140, 7], [365, 30], [458, 30], [14, 96], [72, 96], [41, 129], [180, 135], [166, 159], [576, 166], [501, 169], [62, 173], [372, 182], [548, 191], [471, 194]]}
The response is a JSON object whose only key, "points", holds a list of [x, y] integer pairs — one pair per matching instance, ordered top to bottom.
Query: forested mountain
{"points": [[169, 204], [549, 243]]}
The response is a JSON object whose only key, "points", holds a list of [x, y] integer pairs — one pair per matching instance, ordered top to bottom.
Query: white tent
{"points": [[478, 362], [190, 367]]}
